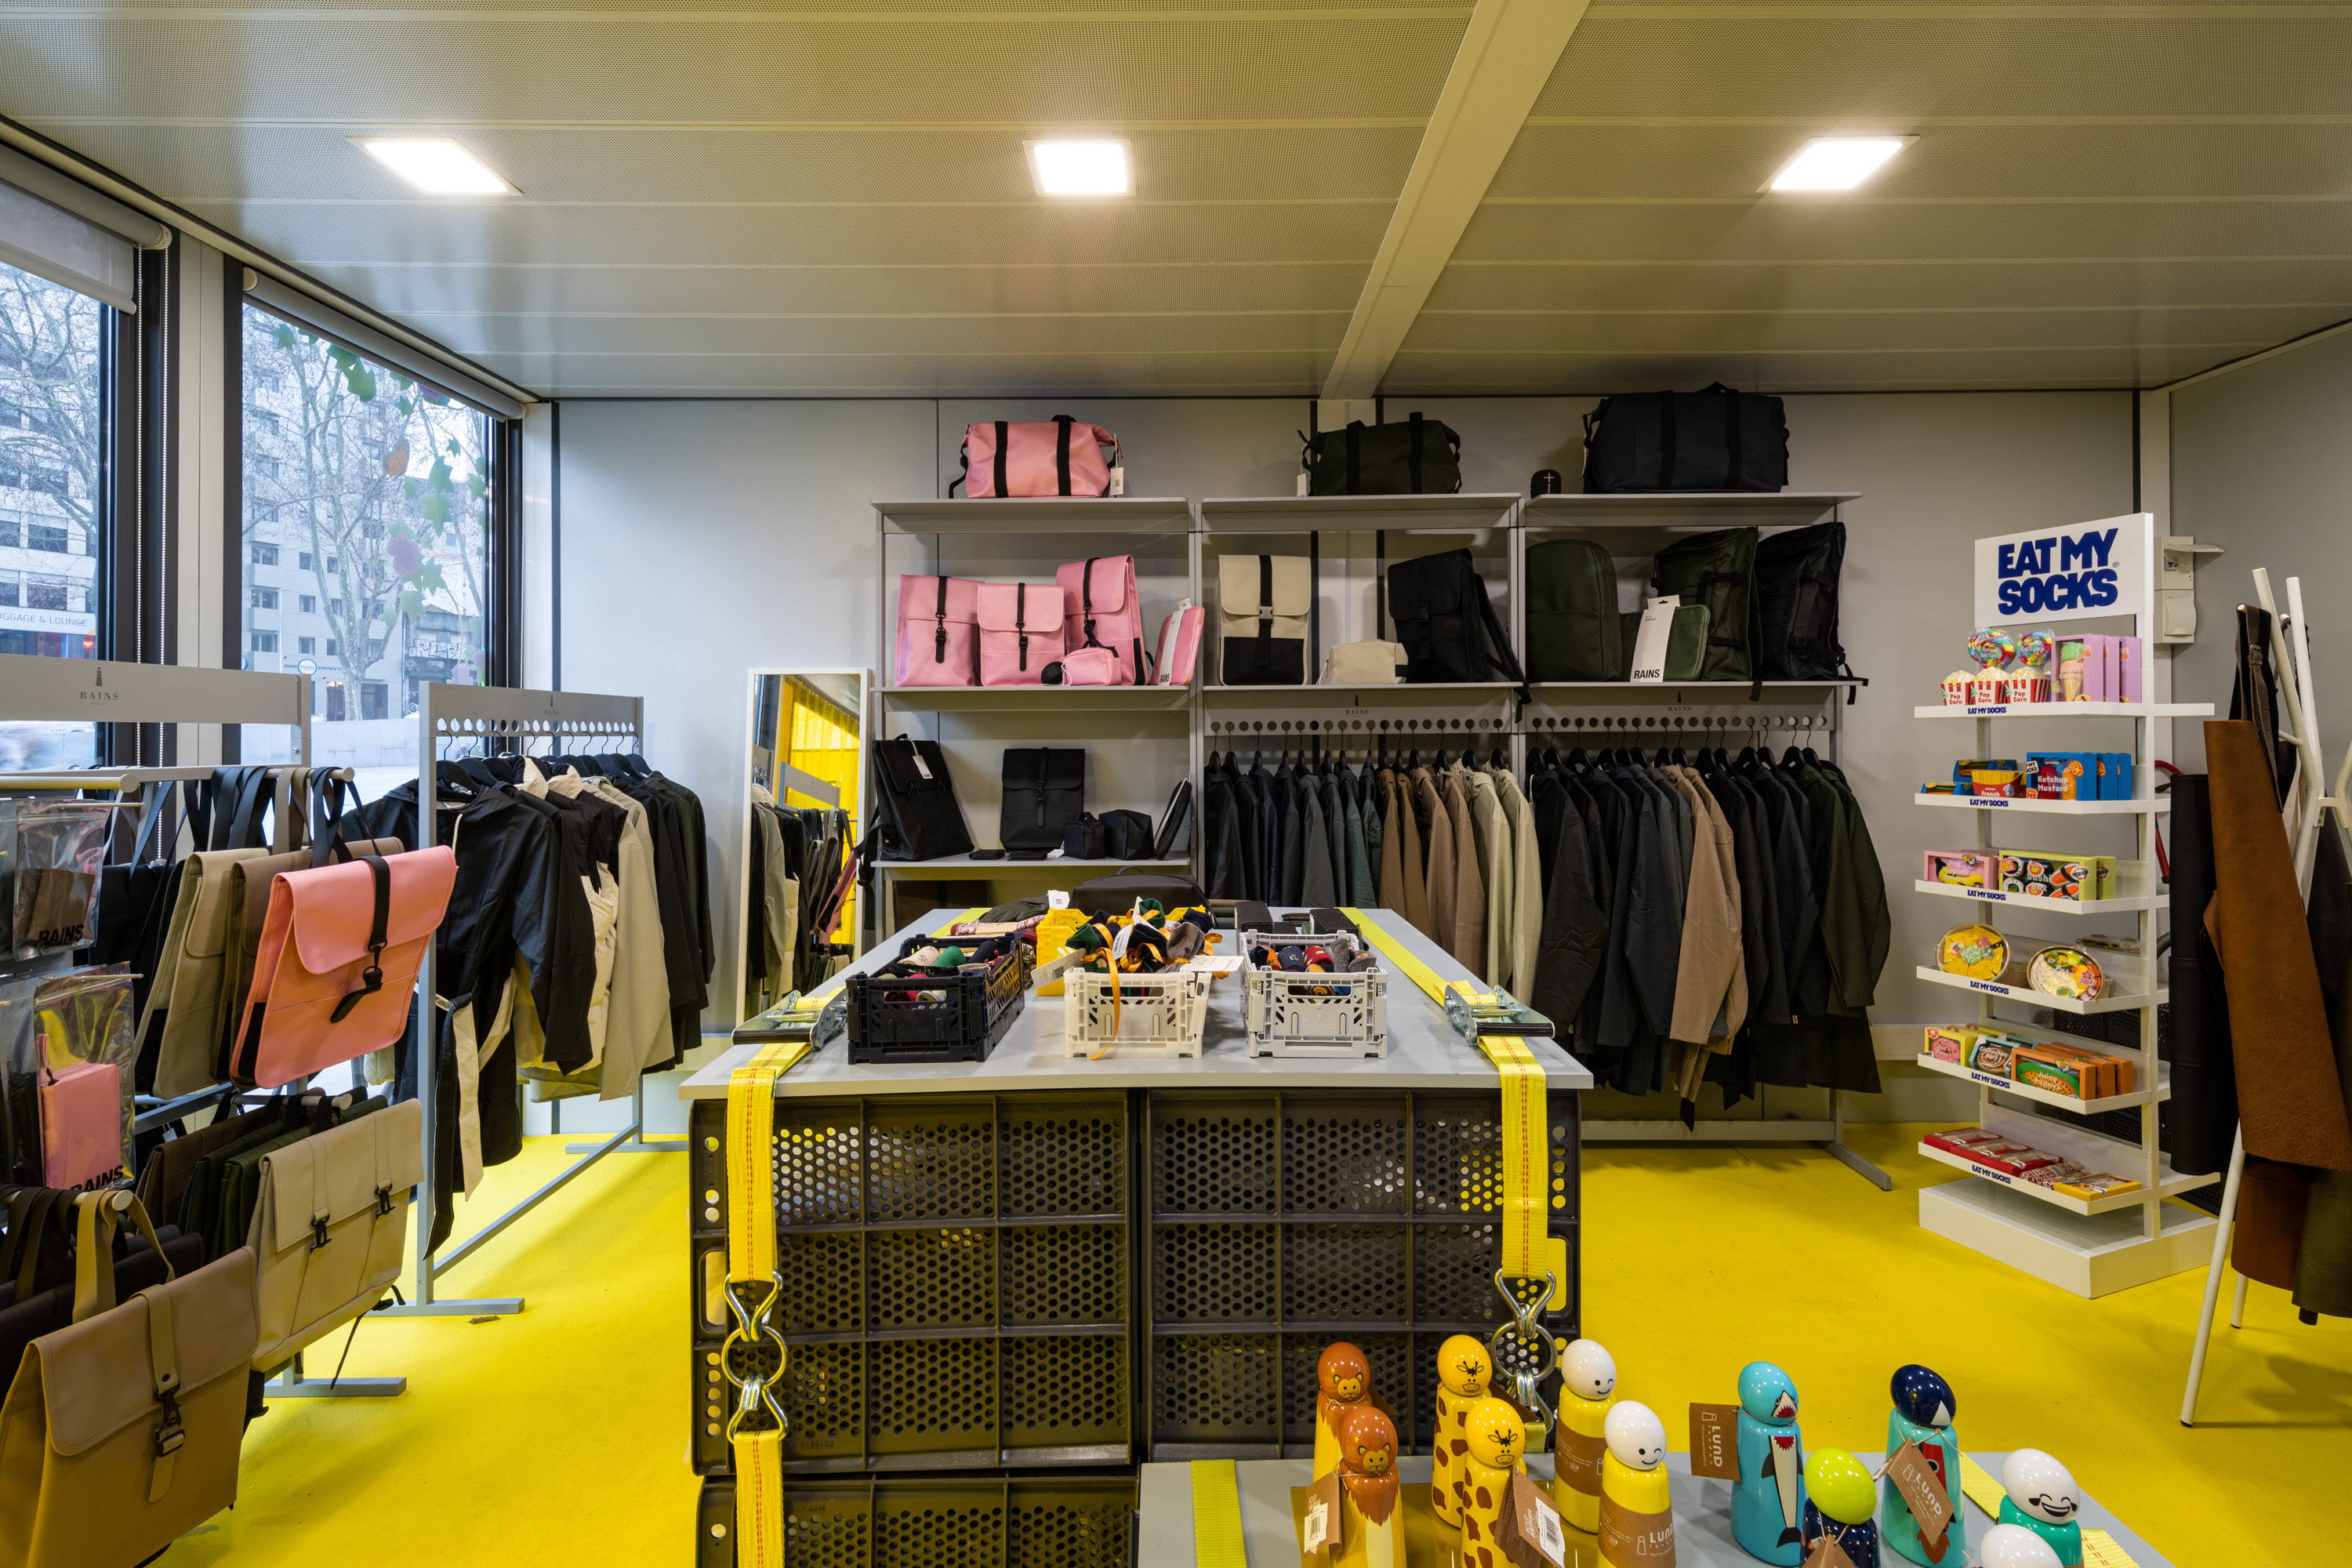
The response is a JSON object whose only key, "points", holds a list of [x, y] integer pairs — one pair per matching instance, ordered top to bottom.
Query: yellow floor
{"points": [[557, 1436]]}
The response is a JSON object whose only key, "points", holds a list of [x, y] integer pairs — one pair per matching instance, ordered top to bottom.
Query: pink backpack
{"points": [[1058, 457], [1104, 613], [938, 631], [1020, 632], [1180, 646]]}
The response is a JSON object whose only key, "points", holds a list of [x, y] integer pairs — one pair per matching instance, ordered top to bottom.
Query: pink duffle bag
{"points": [[1056, 457], [1104, 613], [938, 631], [1020, 632], [1180, 646], [337, 961]]}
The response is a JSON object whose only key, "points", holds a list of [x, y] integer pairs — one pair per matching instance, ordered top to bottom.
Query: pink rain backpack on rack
{"points": [[1056, 457], [1100, 596], [938, 631], [1020, 632], [1180, 645]]}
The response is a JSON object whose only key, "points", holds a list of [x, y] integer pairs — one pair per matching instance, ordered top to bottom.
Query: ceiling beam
{"points": [[1506, 55]]}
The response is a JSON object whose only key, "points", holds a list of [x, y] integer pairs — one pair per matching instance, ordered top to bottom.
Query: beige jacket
{"points": [[1492, 826], [1527, 887], [1467, 941], [1711, 985], [637, 1029]]}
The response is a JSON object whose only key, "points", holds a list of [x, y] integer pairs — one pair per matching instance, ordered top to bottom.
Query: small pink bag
{"points": [[1058, 457], [1104, 613], [938, 631], [1020, 632], [1180, 646], [1092, 667], [337, 961], [81, 1125]]}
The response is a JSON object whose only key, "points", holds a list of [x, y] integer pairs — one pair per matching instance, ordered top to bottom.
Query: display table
{"points": [[1039, 1261], [1702, 1516]]}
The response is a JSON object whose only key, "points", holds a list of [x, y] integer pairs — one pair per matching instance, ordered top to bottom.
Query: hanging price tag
{"points": [[1650, 640], [1714, 1443], [1909, 1470], [1828, 1554]]}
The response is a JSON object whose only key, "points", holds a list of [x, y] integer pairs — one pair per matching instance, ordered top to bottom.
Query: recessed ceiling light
{"points": [[1837, 163], [437, 165], [1090, 167]]}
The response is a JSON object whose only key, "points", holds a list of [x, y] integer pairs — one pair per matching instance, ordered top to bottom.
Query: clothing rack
{"points": [[2291, 654], [109, 691], [499, 719], [1694, 723]]}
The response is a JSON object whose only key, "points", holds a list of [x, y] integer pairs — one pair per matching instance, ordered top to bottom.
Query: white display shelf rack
{"points": [[1693, 511], [1459, 512], [1128, 515], [1040, 698], [2065, 710], [2027, 804], [2132, 990], [1999, 1085], [2095, 1245]]}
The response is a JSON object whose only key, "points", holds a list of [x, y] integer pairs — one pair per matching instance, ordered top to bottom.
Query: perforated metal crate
{"points": [[1279, 1222], [955, 1281], [1063, 1521]]}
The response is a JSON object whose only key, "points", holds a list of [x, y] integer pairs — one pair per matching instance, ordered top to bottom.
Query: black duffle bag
{"points": [[1717, 439], [1410, 457], [917, 814]]}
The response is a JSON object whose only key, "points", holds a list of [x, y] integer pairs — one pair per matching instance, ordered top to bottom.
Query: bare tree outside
{"points": [[365, 526]]}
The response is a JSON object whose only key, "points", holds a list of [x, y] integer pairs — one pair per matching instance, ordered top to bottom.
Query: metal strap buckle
{"points": [[383, 1200], [319, 1236], [1527, 1379], [753, 1392], [170, 1435]]}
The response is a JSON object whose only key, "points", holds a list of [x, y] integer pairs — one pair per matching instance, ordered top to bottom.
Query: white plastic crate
{"points": [[1342, 1014], [1153, 1016]]}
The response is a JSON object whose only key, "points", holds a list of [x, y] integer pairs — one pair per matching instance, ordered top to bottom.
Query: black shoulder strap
{"points": [[1062, 423], [1004, 440], [1412, 455], [1265, 606], [372, 980]]}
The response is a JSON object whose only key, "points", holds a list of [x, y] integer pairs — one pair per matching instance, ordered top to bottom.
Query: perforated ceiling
{"points": [[831, 199]]}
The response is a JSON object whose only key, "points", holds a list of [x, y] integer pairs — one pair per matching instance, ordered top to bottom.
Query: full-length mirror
{"points": [[804, 766]]}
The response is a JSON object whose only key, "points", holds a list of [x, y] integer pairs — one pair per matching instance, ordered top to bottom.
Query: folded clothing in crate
{"points": [[937, 1001]]}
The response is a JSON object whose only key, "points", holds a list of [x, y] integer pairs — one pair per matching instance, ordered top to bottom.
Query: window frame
{"points": [[502, 522]]}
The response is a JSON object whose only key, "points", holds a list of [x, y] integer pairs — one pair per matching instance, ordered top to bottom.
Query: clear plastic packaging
{"points": [[51, 852], [51, 1024]]}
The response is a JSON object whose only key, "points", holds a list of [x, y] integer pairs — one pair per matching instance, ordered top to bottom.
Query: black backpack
{"points": [[1717, 439], [1419, 457], [1717, 569], [1797, 604], [1572, 618], [1446, 621], [1045, 791], [918, 816]]}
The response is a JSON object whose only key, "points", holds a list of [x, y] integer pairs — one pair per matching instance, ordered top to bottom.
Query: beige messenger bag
{"points": [[328, 1227]]}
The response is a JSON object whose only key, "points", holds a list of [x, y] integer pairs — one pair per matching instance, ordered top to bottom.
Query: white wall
{"points": [[700, 539]]}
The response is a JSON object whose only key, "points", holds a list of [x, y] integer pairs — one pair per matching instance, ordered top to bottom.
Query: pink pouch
{"points": [[1058, 457], [1104, 613], [938, 631], [1020, 632], [1180, 646], [1092, 667], [337, 961], [81, 1125]]}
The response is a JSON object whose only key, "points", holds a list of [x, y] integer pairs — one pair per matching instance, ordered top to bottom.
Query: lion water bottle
{"points": [[1462, 1368], [1343, 1382], [1588, 1388], [1494, 1431], [1637, 1505], [1371, 1529]]}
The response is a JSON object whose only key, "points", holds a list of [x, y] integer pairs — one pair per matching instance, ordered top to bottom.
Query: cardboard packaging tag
{"points": [[1650, 640], [1714, 1441], [1576, 1459], [1909, 1471], [1322, 1529], [1529, 1532], [1632, 1539], [1828, 1554]]}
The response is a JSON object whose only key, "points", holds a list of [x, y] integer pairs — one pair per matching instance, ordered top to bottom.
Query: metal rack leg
{"points": [[639, 1145], [1836, 1147], [2225, 1223], [291, 1385]]}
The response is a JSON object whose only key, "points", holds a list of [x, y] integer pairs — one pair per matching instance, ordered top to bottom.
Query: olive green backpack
{"points": [[1718, 570], [1572, 618]]}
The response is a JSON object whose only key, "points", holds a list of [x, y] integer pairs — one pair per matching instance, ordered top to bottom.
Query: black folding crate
{"points": [[952, 1019], [1279, 1222], [955, 1281], [980, 1522]]}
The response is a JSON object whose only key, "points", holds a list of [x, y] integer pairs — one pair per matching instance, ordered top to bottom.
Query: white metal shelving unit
{"points": [[2089, 1247]]}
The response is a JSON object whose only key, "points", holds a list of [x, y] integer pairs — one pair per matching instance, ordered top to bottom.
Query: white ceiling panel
{"points": [[1699, 331], [948, 338], [1279, 371]]}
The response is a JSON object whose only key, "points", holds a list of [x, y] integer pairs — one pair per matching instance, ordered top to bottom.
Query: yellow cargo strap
{"points": [[1529, 1251], [753, 1287], [1217, 1515]]}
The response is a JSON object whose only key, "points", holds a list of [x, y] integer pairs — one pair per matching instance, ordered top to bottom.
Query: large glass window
{"points": [[52, 523], [367, 533]]}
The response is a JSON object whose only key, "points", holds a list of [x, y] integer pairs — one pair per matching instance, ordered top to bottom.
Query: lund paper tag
{"points": [[1650, 641], [1714, 1451], [1908, 1470], [1318, 1525], [1828, 1554]]}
